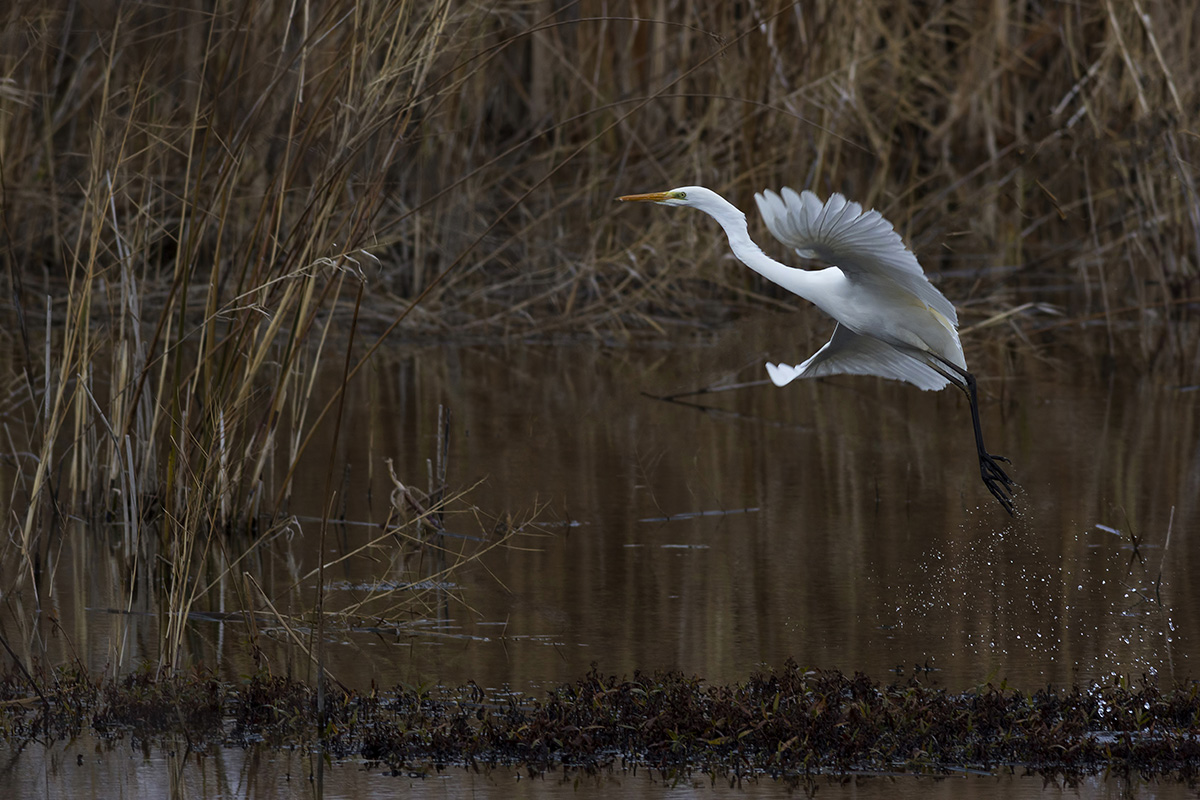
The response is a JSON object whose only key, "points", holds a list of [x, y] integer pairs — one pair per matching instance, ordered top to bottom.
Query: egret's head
{"points": [[697, 197]]}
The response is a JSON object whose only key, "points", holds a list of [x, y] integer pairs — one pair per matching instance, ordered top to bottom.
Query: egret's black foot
{"points": [[997, 480]]}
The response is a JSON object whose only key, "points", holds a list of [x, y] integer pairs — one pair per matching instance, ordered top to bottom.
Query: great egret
{"points": [[891, 321]]}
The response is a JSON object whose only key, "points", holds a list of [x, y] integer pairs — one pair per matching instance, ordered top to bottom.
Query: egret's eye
{"points": [[681, 195]]}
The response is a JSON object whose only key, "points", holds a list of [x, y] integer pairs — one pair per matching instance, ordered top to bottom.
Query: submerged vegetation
{"points": [[204, 212], [791, 724]]}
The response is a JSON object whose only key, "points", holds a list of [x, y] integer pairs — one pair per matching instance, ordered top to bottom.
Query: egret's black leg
{"points": [[994, 477]]}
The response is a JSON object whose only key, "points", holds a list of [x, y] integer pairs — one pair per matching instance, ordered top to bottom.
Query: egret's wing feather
{"points": [[839, 232], [848, 353]]}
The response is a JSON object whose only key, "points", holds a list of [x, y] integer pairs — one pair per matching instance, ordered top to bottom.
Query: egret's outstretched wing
{"points": [[841, 234], [848, 353]]}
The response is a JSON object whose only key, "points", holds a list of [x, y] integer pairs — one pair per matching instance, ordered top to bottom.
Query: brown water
{"points": [[840, 522], [86, 768]]}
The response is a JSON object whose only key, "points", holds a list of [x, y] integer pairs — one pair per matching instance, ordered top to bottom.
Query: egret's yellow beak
{"points": [[652, 197]]}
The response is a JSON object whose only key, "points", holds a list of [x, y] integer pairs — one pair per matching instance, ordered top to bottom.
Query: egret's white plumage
{"points": [[891, 321]]}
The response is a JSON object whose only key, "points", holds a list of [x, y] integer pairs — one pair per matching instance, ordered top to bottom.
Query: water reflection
{"points": [[838, 522], [873, 547], [88, 768]]}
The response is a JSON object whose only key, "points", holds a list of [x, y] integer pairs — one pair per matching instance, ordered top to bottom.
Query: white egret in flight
{"points": [[891, 321]]}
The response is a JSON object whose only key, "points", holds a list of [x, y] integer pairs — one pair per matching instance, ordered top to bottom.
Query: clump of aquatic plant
{"points": [[791, 724]]}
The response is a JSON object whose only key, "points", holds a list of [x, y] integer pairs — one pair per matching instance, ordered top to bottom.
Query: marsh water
{"points": [[840, 523], [81, 769]]}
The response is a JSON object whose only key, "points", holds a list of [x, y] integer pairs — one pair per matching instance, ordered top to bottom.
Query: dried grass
{"points": [[1028, 153]]}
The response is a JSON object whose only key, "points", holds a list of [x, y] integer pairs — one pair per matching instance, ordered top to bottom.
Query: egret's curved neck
{"points": [[733, 222]]}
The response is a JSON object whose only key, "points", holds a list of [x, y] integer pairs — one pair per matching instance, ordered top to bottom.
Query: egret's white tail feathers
{"points": [[847, 353], [783, 374]]}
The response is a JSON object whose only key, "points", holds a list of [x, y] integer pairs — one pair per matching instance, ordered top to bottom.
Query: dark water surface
{"points": [[840, 523], [87, 769]]}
